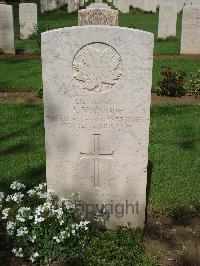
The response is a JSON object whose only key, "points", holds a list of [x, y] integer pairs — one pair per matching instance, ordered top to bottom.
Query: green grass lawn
{"points": [[60, 18], [25, 74], [173, 156]]}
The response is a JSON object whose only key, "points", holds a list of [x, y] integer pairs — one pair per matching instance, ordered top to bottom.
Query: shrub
{"points": [[1, 51], [172, 83], [195, 84], [39, 227]]}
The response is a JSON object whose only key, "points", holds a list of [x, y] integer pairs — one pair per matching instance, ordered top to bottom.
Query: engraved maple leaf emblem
{"points": [[97, 67]]}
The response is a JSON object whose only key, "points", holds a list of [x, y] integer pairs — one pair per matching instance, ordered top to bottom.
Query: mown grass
{"points": [[61, 18], [20, 74], [25, 74], [174, 162]]}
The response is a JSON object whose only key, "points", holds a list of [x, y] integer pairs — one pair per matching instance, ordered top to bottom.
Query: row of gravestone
{"points": [[73, 5], [122, 5], [150, 5], [102, 14], [27, 21], [190, 34]]}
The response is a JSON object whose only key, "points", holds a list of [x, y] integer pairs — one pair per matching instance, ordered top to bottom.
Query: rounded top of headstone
{"points": [[102, 28]]}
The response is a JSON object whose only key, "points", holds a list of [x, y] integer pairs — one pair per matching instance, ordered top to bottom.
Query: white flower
{"points": [[17, 186], [31, 192], [42, 195], [16, 197], [1, 199], [68, 204], [23, 209], [5, 213], [20, 218], [38, 219], [61, 222], [83, 224], [10, 227], [22, 231], [73, 232], [32, 238], [57, 239], [18, 252], [33, 256]]}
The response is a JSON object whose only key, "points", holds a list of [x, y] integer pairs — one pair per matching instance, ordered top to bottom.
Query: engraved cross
{"points": [[96, 156]]}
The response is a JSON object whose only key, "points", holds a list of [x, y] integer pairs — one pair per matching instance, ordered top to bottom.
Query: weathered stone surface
{"points": [[98, 1], [82, 2], [192, 2], [179, 3], [48, 5], [73, 5], [98, 5], [123, 5], [150, 5], [101, 16], [27, 19], [167, 20], [6, 29], [190, 37], [97, 91]]}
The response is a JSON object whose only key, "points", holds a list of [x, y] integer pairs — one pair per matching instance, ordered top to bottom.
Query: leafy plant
{"points": [[37, 31], [170, 38], [172, 83], [195, 84], [39, 92], [40, 228], [120, 247]]}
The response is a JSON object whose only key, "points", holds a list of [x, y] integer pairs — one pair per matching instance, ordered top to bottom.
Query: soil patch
{"points": [[20, 56], [161, 56], [177, 56], [30, 97], [173, 244]]}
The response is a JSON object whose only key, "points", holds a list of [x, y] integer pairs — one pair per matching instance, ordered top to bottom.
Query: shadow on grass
{"points": [[16, 149], [149, 175]]}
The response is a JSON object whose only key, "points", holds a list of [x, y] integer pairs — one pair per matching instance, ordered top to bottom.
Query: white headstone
{"points": [[82, 2], [192, 2], [179, 3], [48, 5], [73, 5], [98, 5], [123, 5], [150, 5], [103, 16], [27, 19], [167, 21], [190, 37], [7, 43], [97, 93]]}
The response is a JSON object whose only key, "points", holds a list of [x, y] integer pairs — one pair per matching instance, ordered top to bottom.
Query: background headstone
{"points": [[48, 5], [73, 5], [98, 5], [123, 5], [98, 16], [27, 19], [167, 21], [190, 37], [7, 43], [97, 93]]}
